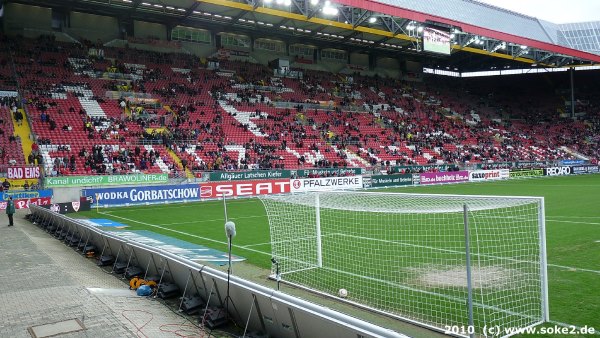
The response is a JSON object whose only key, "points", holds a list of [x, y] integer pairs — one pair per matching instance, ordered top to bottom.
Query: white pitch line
{"points": [[175, 206], [597, 217], [210, 220], [573, 222], [188, 234], [296, 239], [258, 244], [474, 254], [572, 268], [570, 325]]}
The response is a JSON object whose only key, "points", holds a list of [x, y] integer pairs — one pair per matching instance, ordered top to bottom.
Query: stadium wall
{"points": [[26, 20], [93, 27], [143, 29], [199, 49], [360, 59], [388, 66]]}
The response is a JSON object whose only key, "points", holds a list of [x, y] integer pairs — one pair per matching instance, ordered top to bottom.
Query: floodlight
{"points": [[330, 10]]}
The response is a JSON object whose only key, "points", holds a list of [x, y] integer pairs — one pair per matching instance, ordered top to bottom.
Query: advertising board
{"points": [[489, 175], [445, 177], [326, 183], [243, 188], [146, 194]]}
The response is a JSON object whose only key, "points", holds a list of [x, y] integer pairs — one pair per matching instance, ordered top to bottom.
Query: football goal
{"points": [[441, 261]]}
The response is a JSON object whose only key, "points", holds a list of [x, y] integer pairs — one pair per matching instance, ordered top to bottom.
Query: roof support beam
{"points": [[300, 6], [188, 13], [363, 15], [391, 24]]}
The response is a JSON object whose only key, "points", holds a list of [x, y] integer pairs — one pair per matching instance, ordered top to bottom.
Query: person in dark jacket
{"points": [[10, 211]]}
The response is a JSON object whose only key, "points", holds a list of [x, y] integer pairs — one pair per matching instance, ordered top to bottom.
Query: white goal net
{"points": [[406, 255]]}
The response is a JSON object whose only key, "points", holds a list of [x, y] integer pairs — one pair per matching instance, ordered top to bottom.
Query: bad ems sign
{"points": [[23, 173], [326, 183], [243, 188]]}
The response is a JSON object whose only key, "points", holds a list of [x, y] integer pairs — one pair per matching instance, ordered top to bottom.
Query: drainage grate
{"points": [[53, 329]]}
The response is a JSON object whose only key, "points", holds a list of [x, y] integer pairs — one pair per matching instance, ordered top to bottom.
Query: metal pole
{"points": [[572, 73], [225, 207], [318, 230], [543, 261], [469, 281], [227, 299]]}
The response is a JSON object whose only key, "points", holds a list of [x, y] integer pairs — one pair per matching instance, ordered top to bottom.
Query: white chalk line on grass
{"points": [[189, 204], [209, 220], [573, 222], [188, 234], [296, 239], [462, 252], [572, 268], [596, 332]]}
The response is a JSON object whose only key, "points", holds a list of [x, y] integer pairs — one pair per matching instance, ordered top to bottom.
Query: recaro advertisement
{"points": [[557, 171]]}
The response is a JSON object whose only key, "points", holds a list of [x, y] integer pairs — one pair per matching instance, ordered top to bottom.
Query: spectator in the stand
{"points": [[19, 117], [35, 149], [6, 185]]}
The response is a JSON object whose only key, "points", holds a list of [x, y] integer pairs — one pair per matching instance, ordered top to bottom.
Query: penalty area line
{"points": [[211, 220], [572, 222], [188, 234], [573, 268], [570, 325]]}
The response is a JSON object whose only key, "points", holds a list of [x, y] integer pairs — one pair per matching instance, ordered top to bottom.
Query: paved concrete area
{"points": [[43, 281]]}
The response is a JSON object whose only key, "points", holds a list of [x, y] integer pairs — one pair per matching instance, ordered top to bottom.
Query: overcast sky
{"points": [[557, 11]]}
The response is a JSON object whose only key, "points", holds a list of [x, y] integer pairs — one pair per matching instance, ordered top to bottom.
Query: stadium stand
{"points": [[127, 110]]}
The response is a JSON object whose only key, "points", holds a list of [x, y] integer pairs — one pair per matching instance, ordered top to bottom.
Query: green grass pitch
{"points": [[572, 233]]}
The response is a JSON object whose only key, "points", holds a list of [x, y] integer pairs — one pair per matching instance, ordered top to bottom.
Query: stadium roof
{"points": [[483, 36]]}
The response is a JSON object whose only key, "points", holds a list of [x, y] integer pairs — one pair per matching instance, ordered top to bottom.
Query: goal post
{"points": [[404, 254]]}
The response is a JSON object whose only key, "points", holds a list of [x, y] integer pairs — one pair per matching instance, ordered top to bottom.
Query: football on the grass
{"points": [[343, 293]]}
